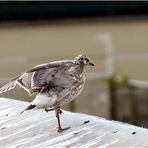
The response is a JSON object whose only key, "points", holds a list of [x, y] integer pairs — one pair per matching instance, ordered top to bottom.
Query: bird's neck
{"points": [[80, 68], [77, 69]]}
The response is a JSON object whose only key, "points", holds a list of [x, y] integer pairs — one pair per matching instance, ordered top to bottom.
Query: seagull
{"points": [[55, 84]]}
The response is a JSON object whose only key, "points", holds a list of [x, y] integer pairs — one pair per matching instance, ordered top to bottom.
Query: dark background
{"points": [[25, 11]]}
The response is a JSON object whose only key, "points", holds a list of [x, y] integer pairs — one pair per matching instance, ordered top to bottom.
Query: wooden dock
{"points": [[38, 129]]}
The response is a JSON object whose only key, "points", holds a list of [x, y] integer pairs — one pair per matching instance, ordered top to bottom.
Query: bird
{"points": [[54, 84]]}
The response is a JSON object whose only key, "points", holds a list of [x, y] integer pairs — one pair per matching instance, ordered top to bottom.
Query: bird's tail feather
{"points": [[31, 106]]}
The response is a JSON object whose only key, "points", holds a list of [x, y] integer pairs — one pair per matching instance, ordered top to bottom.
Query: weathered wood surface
{"points": [[39, 129]]}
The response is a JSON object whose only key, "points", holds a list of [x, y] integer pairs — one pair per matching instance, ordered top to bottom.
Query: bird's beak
{"points": [[91, 64]]}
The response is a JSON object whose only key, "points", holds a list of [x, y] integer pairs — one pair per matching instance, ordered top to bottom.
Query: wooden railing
{"points": [[128, 88]]}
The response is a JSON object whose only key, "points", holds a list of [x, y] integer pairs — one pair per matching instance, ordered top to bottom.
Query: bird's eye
{"points": [[81, 59], [87, 60]]}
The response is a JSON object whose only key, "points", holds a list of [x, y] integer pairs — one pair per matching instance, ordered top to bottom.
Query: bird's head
{"points": [[83, 60]]}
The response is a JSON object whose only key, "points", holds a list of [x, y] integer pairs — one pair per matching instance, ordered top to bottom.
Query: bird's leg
{"points": [[51, 109], [58, 112]]}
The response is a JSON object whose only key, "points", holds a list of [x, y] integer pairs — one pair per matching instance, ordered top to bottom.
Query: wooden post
{"points": [[114, 83], [113, 100], [133, 106]]}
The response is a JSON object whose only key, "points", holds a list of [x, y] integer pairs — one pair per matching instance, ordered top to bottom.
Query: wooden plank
{"points": [[37, 128]]}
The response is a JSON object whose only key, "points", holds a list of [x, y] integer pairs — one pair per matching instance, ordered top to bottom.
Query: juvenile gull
{"points": [[54, 84]]}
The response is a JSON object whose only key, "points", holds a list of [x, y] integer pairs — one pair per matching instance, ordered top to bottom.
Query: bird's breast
{"points": [[45, 100]]}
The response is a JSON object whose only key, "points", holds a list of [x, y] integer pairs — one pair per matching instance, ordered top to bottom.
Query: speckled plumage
{"points": [[55, 83]]}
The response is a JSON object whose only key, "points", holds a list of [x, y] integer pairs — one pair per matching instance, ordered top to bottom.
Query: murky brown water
{"points": [[24, 46]]}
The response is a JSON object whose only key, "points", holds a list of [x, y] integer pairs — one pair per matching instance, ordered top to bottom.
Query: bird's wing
{"points": [[49, 65], [45, 74], [37, 76], [24, 81], [6, 86]]}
